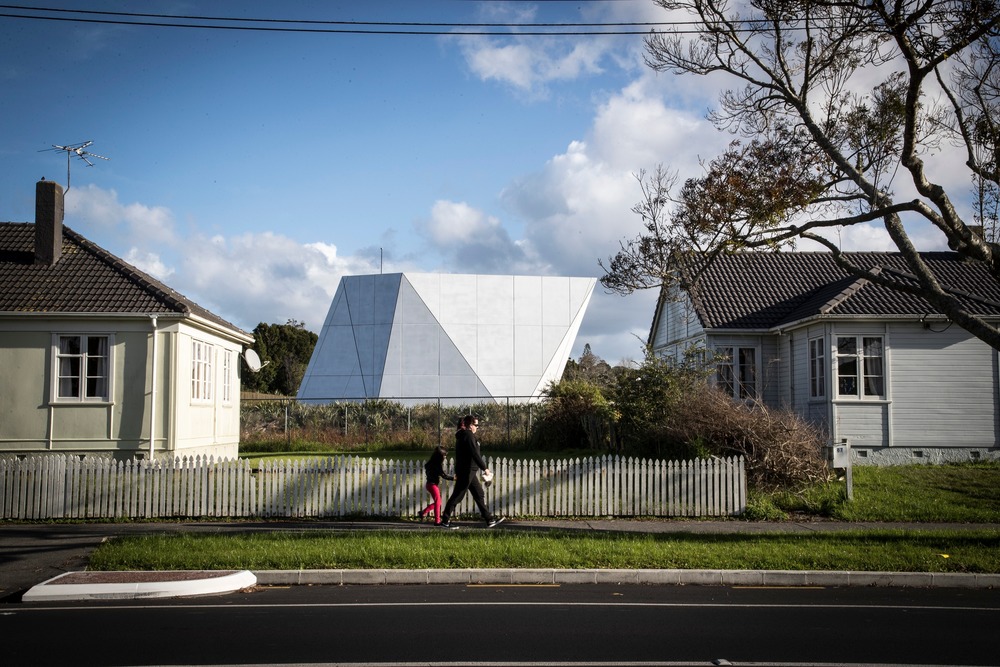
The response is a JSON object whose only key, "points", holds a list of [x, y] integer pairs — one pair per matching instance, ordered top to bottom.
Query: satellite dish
{"points": [[253, 361]]}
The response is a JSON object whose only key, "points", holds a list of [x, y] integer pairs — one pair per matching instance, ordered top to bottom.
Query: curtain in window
{"points": [[874, 365], [847, 366]]}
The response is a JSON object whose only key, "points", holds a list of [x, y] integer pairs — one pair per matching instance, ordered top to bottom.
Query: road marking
{"points": [[513, 585], [782, 588], [665, 605]]}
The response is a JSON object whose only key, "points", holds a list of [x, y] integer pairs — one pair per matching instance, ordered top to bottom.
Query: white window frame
{"points": [[202, 355], [817, 367], [730, 375], [91, 376], [227, 376], [869, 376]]}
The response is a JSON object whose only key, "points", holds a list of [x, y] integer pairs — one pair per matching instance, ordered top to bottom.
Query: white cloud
{"points": [[531, 64], [578, 207], [134, 223], [472, 241], [149, 262], [265, 277], [246, 279]]}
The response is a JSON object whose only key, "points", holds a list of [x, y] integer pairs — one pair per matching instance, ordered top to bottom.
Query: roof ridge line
{"points": [[143, 280], [853, 288], [949, 290]]}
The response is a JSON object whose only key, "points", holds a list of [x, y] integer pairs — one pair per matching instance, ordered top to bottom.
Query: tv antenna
{"points": [[78, 149]]}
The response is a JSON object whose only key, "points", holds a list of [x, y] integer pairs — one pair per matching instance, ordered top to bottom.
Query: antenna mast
{"points": [[78, 149]]}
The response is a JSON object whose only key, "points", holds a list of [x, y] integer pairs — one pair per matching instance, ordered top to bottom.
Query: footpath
{"points": [[43, 562]]}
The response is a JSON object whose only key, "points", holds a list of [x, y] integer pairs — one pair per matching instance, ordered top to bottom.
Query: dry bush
{"points": [[780, 449]]}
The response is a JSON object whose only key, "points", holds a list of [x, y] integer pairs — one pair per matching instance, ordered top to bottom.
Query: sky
{"points": [[251, 169]]}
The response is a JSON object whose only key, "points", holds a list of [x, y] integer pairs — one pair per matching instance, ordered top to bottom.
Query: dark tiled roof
{"points": [[86, 279], [765, 290]]}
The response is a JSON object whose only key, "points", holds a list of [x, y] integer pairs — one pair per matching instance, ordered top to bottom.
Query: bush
{"points": [[651, 400], [575, 416], [286, 425], [781, 450]]}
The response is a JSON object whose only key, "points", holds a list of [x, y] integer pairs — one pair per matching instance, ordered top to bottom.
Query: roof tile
{"points": [[86, 279], [761, 290]]}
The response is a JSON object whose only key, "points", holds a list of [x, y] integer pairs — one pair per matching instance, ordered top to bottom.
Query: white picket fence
{"points": [[49, 487]]}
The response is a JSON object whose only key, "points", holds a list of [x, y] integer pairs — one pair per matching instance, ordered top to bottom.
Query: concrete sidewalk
{"points": [[32, 555]]}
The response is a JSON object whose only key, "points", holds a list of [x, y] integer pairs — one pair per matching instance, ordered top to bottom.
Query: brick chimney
{"points": [[48, 222]]}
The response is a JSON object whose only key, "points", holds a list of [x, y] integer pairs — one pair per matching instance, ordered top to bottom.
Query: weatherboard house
{"points": [[454, 337], [98, 358], [881, 369]]}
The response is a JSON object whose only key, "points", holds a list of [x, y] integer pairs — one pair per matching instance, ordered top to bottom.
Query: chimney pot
{"points": [[48, 222]]}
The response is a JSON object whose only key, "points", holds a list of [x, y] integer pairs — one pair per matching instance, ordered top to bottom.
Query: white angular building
{"points": [[430, 336]]}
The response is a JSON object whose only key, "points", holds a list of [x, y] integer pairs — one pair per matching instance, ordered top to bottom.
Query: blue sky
{"points": [[251, 170]]}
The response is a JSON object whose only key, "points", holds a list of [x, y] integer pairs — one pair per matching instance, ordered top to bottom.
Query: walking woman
{"points": [[435, 471]]}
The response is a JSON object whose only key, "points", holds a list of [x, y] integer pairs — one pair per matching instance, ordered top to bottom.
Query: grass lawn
{"points": [[968, 493], [883, 550]]}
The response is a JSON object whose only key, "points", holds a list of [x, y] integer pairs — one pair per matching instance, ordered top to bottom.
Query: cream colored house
{"points": [[97, 357]]}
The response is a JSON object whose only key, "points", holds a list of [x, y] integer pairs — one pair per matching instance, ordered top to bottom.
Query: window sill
{"points": [[64, 403]]}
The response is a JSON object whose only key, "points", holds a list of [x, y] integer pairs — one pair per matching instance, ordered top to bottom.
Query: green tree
{"points": [[843, 106], [285, 350], [591, 368], [648, 400], [575, 415]]}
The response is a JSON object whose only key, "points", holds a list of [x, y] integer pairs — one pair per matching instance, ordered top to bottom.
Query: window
{"points": [[83, 367], [860, 367], [817, 368], [201, 371], [736, 371], [227, 376]]}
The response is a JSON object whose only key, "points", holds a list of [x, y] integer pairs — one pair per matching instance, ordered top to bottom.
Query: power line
{"points": [[352, 27]]}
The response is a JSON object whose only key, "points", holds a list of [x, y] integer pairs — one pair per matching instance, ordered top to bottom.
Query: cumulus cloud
{"points": [[530, 65], [577, 208], [135, 222], [471, 241], [149, 262], [266, 277], [247, 279]]}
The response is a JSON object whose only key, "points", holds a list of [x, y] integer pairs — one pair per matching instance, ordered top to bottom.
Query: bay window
{"points": [[860, 367]]}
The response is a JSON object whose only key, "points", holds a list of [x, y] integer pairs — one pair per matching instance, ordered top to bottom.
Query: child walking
{"points": [[435, 471]]}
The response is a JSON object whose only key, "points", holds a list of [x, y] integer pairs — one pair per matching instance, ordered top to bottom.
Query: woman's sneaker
{"points": [[495, 521]]}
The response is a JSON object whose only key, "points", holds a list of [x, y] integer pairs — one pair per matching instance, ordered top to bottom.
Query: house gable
{"points": [[104, 354], [881, 368]]}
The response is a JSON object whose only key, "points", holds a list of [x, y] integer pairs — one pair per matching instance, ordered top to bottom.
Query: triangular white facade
{"points": [[449, 336]]}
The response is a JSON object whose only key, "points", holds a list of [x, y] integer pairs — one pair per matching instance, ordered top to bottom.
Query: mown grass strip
{"points": [[975, 551]]}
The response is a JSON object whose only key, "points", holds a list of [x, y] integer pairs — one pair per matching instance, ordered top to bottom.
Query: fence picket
{"points": [[56, 486]]}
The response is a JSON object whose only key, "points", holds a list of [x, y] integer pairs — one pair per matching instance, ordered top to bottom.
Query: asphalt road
{"points": [[515, 625]]}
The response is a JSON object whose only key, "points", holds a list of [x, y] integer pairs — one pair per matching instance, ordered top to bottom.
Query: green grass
{"points": [[966, 493], [883, 550]]}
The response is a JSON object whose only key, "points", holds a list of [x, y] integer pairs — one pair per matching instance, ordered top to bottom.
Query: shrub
{"points": [[651, 400], [575, 416], [781, 449]]}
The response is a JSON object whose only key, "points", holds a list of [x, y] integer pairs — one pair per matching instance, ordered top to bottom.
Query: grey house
{"points": [[97, 357], [876, 367]]}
